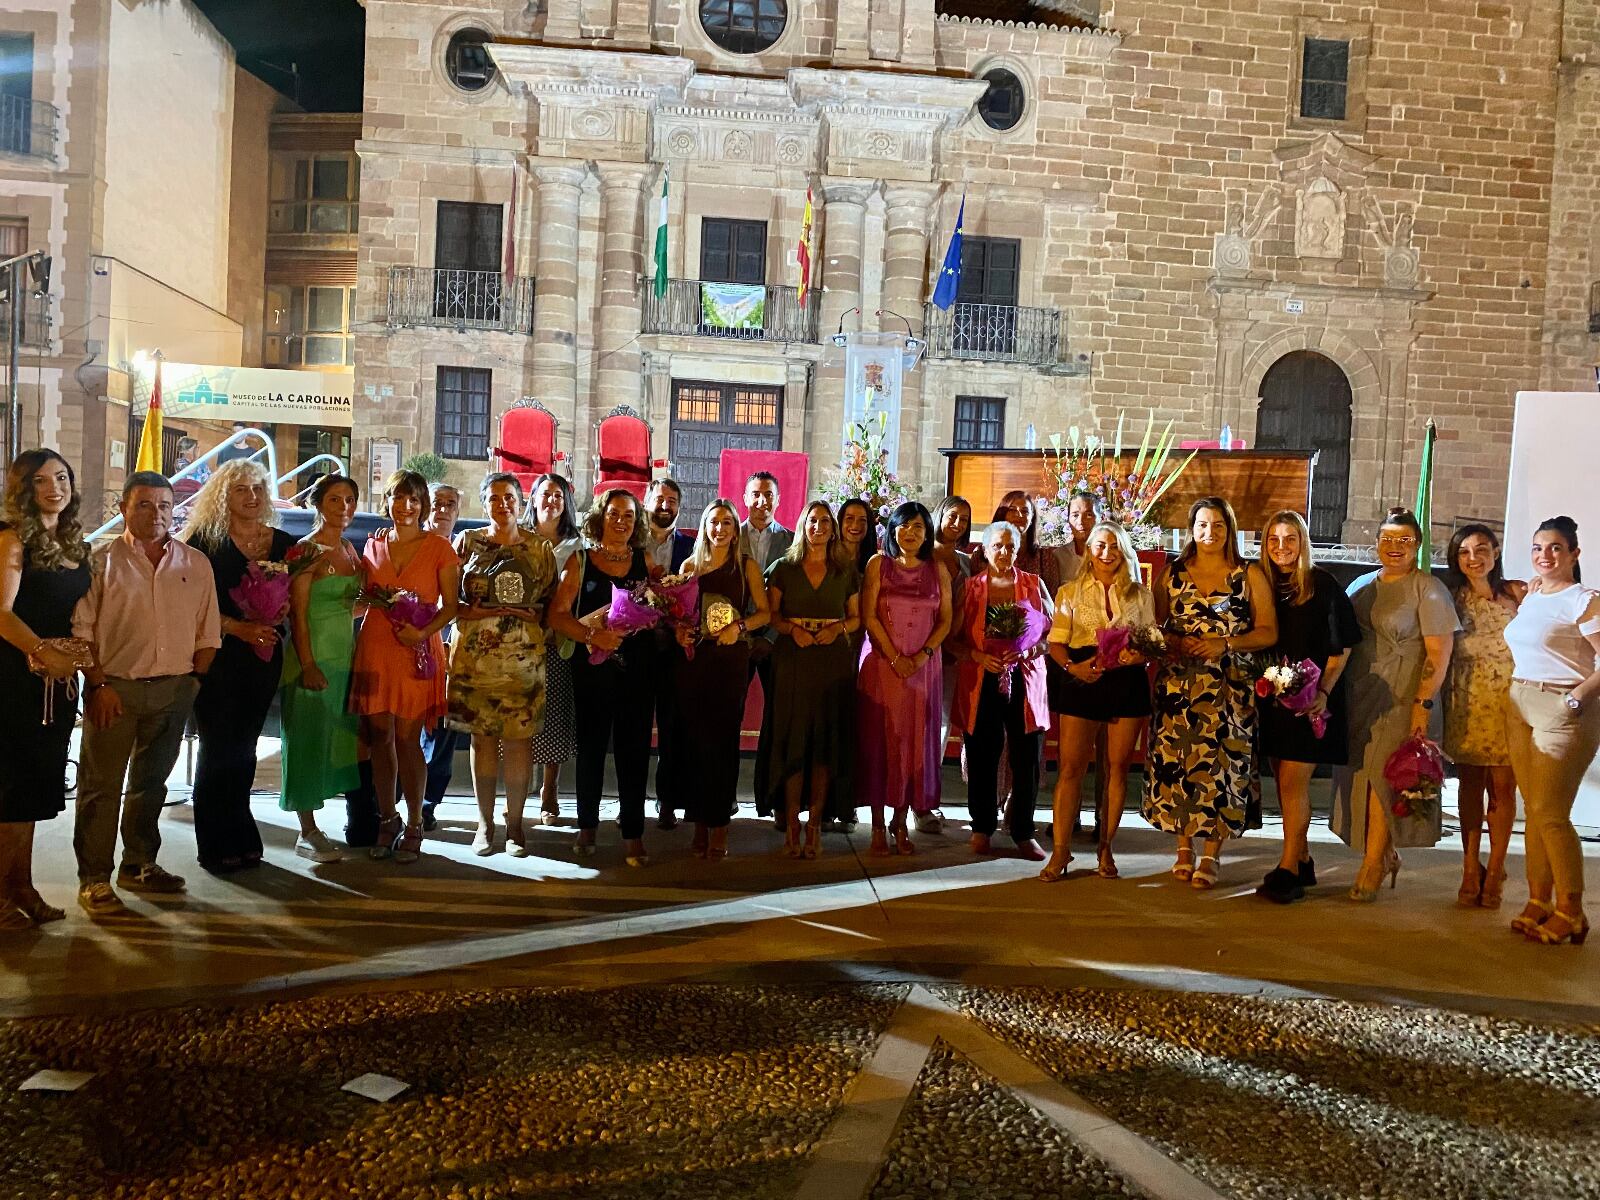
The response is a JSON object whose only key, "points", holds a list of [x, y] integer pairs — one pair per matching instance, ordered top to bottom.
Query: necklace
{"points": [[253, 545], [616, 556]]}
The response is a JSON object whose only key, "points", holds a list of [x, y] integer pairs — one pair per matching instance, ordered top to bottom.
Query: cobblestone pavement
{"points": [[724, 1091]]}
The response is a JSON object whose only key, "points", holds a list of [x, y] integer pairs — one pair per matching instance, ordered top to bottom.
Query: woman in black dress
{"points": [[231, 524], [44, 572], [1315, 621], [710, 686], [615, 698]]}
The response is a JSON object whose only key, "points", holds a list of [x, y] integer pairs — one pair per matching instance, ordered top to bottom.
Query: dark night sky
{"points": [[322, 37]]}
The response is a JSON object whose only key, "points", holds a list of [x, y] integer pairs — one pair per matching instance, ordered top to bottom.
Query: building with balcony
{"points": [[1230, 218]]}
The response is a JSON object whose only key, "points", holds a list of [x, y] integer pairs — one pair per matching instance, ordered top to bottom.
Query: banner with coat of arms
{"points": [[872, 368]]}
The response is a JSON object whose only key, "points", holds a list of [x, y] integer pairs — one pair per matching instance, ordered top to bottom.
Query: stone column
{"points": [[843, 222], [905, 286], [555, 297], [618, 363]]}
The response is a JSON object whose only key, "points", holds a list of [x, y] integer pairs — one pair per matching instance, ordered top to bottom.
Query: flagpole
{"points": [[1423, 509]]}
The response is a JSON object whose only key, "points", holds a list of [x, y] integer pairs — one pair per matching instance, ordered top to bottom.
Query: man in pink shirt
{"points": [[151, 616]]}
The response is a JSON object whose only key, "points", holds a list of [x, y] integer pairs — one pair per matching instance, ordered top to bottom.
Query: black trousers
{"points": [[616, 709], [229, 713], [1002, 721], [439, 746], [669, 790], [361, 810]]}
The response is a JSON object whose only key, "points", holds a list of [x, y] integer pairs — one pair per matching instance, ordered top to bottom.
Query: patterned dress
{"points": [[497, 663], [1478, 684], [557, 739], [1203, 777]]}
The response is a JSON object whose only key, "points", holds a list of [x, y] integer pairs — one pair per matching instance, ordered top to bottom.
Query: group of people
{"points": [[873, 647]]}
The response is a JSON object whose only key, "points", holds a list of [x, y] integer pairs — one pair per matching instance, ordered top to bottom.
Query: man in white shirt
{"points": [[761, 537], [665, 549], [151, 616]]}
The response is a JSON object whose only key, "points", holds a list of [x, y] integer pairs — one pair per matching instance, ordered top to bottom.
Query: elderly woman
{"points": [[553, 514], [232, 523], [44, 572], [1217, 610], [1408, 623], [390, 687], [496, 688], [1475, 694], [616, 696], [1095, 701], [987, 716], [320, 734], [808, 737]]}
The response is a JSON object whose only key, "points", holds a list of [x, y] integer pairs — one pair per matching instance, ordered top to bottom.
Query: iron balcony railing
{"points": [[28, 128], [460, 299], [1594, 307], [744, 312], [35, 321], [995, 333]]}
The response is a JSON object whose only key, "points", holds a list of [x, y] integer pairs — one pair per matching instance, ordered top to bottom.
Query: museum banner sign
{"points": [[253, 395]]}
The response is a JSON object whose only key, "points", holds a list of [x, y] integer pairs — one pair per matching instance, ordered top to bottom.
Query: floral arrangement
{"points": [[1087, 466], [863, 472], [263, 594], [672, 599], [405, 610], [1009, 631], [1113, 641], [1294, 687], [1415, 771]]}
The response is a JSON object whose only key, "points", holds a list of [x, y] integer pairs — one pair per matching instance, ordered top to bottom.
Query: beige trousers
{"points": [[1551, 748]]}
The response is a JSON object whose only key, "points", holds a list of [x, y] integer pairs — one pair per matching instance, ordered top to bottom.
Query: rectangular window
{"points": [[1324, 78], [16, 93], [13, 237], [468, 237], [733, 251], [990, 270], [307, 326], [698, 404], [755, 407], [461, 413], [980, 423]]}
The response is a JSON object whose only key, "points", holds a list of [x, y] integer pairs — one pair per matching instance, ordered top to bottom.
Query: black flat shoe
{"points": [[220, 866], [1308, 874], [1281, 887]]}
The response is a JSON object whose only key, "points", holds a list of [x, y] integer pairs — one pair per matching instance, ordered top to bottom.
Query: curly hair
{"points": [[594, 521], [207, 523], [49, 549]]}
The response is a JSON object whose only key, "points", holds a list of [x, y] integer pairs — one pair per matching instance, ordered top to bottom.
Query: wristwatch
{"points": [[1573, 702], [1426, 704]]}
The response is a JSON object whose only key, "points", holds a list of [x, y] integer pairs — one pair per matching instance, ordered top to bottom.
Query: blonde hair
{"points": [[207, 523], [701, 555], [838, 556], [1303, 584], [1129, 585]]}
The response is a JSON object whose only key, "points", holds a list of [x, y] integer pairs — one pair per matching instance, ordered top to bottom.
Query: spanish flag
{"points": [[802, 252], [150, 440]]}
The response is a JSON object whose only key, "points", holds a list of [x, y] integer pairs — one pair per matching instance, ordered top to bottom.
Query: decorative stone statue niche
{"points": [[1319, 220]]}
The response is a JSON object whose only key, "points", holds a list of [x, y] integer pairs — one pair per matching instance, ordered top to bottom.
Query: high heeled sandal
{"points": [[389, 831], [791, 841], [813, 842], [880, 844], [903, 844], [408, 846], [582, 848], [718, 849], [1105, 864], [1183, 869], [1054, 874], [1204, 877], [1494, 889], [1468, 895], [1534, 914], [1561, 927]]}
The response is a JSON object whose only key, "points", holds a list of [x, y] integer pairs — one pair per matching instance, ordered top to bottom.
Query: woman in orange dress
{"points": [[387, 686]]}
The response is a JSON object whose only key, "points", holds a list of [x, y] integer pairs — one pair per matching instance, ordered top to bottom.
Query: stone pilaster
{"points": [[843, 229], [621, 264], [905, 285], [555, 310]]}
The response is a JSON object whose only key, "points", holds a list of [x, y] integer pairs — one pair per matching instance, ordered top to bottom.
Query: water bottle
{"points": [[1032, 437], [1226, 439]]}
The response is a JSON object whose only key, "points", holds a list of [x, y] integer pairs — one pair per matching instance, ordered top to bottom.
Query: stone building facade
{"points": [[1319, 224]]}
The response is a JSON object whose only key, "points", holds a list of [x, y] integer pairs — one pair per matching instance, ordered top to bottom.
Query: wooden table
{"points": [[1257, 483]]}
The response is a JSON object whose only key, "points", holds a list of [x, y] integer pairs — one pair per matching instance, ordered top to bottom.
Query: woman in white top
{"points": [[553, 514], [1107, 592], [1553, 728]]}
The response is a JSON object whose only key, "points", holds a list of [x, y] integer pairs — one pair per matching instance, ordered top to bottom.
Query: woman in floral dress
{"points": [[1216, 609], [497, 658], [1475, 696]]}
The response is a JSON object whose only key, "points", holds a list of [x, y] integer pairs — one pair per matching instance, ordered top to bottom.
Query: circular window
{"points": [[744, 26], [467, 61], [1001, 105]]}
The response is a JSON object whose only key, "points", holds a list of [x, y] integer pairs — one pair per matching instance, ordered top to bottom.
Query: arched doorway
{"points": [[1305, 405]]}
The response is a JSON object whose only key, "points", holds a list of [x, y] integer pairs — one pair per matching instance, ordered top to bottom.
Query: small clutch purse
{"points": [[82, 655]]}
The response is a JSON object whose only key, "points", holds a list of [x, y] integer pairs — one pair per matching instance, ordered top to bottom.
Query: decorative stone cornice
{"points": [[1095, 45], [581, 71], [939, 100], [1328, 156]]}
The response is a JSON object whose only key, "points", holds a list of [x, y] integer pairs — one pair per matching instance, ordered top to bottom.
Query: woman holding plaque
{"points": [[497, 658], [710, 669], [808, 737]]}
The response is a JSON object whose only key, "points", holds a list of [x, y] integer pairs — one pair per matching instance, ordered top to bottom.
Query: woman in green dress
{"points": [[497, 658], [319, 731], [808, 736]]}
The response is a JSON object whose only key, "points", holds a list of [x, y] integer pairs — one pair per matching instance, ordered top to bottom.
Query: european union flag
{"points": [[944, 292]]}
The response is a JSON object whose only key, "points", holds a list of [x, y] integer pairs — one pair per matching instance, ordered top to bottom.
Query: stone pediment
{"points": [[882, 125], [1327, 157]]}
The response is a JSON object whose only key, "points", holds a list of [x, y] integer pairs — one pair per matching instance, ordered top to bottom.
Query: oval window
{"points": [[744, 26], [467, 61], [1001, 105]]}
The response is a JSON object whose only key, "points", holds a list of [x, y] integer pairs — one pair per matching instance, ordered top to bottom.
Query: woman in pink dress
{"points": [[905, 603], [390, 685]]}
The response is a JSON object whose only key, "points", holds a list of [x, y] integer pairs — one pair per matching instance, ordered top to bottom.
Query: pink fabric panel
{"points": [[793, 472]]}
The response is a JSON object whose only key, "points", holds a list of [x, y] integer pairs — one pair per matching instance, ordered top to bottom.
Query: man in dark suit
{"points": [[766, 541], [665, 549]]}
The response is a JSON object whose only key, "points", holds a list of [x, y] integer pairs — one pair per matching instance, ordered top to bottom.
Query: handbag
{"points": [[82, 655]]}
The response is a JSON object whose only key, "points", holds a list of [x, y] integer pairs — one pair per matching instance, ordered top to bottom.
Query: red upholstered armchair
{"points": [[527, 445], [622, 458]]}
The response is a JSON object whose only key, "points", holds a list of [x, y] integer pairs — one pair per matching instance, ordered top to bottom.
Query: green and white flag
{"points": [[661, 241], [1424, 506]]}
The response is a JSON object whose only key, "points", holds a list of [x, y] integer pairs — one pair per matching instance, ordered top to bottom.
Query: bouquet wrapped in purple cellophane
{"points": [[263, 594], [673, 599], [406, 610], [1011, 630], [1112, 641], [1294, 686]]}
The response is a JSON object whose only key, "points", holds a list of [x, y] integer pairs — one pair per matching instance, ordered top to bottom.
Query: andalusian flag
{"points": [[661, 241], [802, 252], [150, 440], [1424, 505]]}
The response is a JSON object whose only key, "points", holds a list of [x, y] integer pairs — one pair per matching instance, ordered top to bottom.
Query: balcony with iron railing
{"points": [[28, 128], [460, 300], [1594, 307], [750, 312], [35, 332], [1001, 333]]}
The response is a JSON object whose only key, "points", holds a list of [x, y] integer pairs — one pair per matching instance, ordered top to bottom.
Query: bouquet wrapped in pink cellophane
{"points": [[263, 594], [674, 599], [406, 610], [1011, 630], [1113, 640], [1294, 686], [1416, 773]]}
